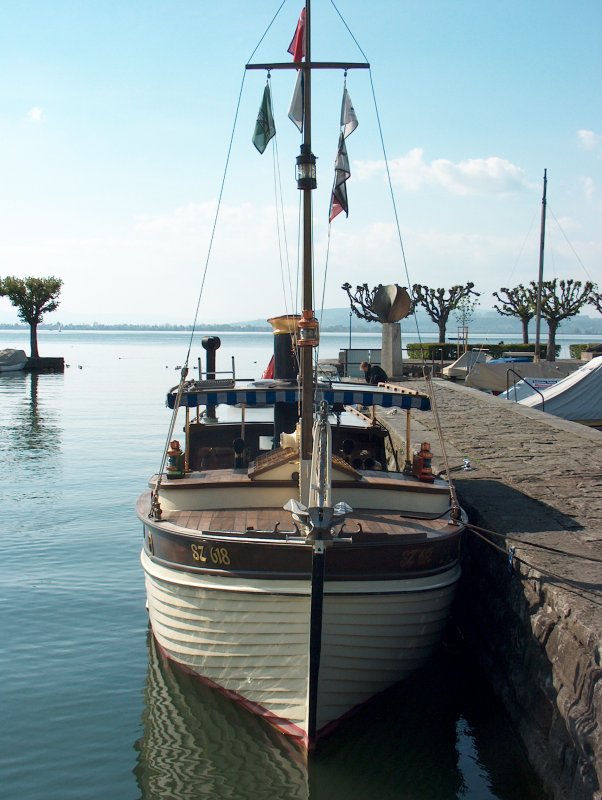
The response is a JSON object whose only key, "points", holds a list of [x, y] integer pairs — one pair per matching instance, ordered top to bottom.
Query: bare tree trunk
{"points": [[525, 323], [552, 326], [442, 328], [33, 338]]}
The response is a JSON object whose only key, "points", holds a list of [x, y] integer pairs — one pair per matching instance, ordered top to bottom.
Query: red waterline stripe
{"points": [[297, 734]]}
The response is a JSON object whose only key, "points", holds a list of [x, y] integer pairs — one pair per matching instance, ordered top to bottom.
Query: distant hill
{"points": [[337, 320]]}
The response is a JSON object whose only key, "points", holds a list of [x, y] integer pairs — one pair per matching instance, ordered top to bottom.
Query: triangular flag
{"points": [[297, 46], [295, 112], [348, 118], [264, 127], [338, 201]]}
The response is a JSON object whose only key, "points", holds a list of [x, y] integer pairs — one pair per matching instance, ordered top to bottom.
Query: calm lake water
{"points": [[88, 708]]}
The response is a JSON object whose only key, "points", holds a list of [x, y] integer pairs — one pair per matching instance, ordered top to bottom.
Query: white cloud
{"points": [[36, 115], [588, 140], [475, 176], [588, 186], [244, 279]]}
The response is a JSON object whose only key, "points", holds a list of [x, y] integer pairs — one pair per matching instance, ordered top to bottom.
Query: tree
{"points": [[32, 297], [595, 299], [561, 300], [362, 301], [518, 302], [438, 306], [464, 315]]}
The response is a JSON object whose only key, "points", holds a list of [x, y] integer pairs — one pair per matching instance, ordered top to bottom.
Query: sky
{"points": [[116, 119]]}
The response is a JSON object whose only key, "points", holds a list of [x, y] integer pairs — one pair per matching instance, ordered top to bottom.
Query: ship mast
{"points": [[306, 182]]}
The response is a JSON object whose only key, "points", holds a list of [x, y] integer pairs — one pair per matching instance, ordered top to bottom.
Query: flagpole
{"points": [[542, 239]]}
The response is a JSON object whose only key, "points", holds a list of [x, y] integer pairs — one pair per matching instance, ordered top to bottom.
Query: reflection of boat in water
{"points": [[12, 360], [293, 560], [439, 733], [198, 744]]}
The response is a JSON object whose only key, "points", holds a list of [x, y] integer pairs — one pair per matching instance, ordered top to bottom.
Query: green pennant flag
{"points": [[264, 127]]}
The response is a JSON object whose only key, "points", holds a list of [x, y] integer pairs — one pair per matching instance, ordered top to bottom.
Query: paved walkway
{"points": [[533, 476]]}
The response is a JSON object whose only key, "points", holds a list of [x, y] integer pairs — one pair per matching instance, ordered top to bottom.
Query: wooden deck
{"points": [[277, 522]]}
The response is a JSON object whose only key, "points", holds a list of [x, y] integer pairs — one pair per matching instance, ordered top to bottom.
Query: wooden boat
{"points": [[293, 559]]}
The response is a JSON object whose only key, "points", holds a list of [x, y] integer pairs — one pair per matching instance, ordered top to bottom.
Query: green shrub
{"points": [[576, 349], [498, 350], [430, 351]]}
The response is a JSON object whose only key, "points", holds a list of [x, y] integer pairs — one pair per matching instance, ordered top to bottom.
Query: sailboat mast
{"points": [[542, 239]]}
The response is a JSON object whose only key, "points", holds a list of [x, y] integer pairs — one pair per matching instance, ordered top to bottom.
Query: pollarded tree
{"points": [[32, 297], [595, 299], [561, 300], [362, 302], [518, 302], [439, 306]]}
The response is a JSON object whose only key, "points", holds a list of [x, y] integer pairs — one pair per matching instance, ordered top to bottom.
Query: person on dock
{"points": [[373, 373]]}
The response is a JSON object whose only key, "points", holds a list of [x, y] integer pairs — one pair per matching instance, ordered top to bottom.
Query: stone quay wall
{"points": [[534, 621]]}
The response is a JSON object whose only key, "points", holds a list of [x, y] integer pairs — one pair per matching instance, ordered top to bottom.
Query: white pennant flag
{"points": [[295, 112], [348, 118]]}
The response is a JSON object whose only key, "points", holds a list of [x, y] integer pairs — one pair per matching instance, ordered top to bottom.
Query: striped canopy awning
{"points": [[268, 396]]}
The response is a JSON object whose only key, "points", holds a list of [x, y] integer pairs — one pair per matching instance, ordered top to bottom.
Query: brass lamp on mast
{"points": [[306, 169], [308, 330]]}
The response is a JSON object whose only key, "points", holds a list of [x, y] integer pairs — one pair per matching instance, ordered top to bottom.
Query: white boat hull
{"points": [[12, 360], [252, 638]]}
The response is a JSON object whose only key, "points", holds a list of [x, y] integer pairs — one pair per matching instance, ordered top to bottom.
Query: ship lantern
{"points": [[306, 169], [309, 335], [175, 460], [422, 464]]}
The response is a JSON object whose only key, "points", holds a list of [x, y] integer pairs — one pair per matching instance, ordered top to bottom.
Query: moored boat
{"points": [[12, 360], [577, 397], [293, 559]]}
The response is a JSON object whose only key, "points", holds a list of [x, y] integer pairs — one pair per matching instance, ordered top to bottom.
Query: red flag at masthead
{"points": [[297, 46]]}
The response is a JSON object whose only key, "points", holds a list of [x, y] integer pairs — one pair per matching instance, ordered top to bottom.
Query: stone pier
{"points": [[45, 364], [530, 604]]}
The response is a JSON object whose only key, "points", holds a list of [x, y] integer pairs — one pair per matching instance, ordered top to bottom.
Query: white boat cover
{"points": [[465, 363], [493, 377], [526, 388], [578, 397]]}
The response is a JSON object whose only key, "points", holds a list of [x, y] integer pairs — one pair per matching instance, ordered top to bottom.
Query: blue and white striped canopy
{"points": [[266, 396]]}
